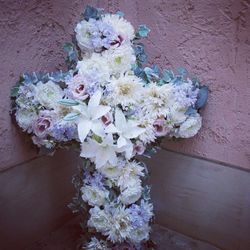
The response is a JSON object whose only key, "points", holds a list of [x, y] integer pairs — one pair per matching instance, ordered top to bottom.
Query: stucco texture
{"points": [[211, 38]]}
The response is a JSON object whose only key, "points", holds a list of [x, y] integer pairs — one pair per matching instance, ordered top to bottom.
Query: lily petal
{"points": [[94, 101], [99, 111], [120, 120], [83, 128], [111, 129], [121, 142]]}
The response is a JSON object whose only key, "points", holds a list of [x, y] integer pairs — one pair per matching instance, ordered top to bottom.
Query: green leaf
{"points": [[90, 12], [120, 13], [143, 31], [14, 91], [202, 97], [68, 102], [71, 116]]}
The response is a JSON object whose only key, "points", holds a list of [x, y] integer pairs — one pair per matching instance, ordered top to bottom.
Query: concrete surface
{"points": [[66, 237]]}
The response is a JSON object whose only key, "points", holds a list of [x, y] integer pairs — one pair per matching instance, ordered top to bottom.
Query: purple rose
{"points": [[44, 123]]}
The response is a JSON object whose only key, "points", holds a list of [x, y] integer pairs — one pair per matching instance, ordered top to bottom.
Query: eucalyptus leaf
{"points": [[90, 12], [120, 13], [142, 31], [202, 97], [68, 102], [71, 116]]}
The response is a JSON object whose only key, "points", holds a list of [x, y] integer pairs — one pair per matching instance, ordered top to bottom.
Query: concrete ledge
{"points": [[33, 199], [202, 199]]}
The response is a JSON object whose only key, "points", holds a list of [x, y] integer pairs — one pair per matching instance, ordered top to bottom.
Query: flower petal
{"points": [[94, 101], [99, 111], [120, 120], [83, 128], [98, 128], [111, 129], [121, 142]]}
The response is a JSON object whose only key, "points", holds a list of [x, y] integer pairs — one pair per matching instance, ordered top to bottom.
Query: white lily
{"points": [[90, 114], [126, 129], [102, 153]]}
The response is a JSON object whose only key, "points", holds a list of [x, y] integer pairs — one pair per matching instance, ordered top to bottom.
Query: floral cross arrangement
{"points": [[111, 108]]}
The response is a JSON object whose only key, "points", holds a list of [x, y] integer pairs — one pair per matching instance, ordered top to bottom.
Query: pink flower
{"points": [[78, 87], [107, 119], [44, 123], [160, 127], [139, 148]]}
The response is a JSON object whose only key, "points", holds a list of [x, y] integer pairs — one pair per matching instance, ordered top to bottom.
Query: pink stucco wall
{"points": [[211, 38]]}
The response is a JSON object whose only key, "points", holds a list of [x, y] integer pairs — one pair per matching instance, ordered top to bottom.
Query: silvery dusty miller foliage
{"points": [[111, 108]]}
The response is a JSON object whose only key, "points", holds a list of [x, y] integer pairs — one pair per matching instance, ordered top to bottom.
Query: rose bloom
{"points": [[78, 87], [107, 119], [44, 123], [160, 127]]}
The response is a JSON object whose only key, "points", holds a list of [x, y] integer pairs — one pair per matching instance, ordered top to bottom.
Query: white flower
{"points": [[120, 25], [83, 35], [120, 59], [94, 68], [126, 90], [48, 94], [156, 100], [90, 114], [176, 114], [25, 118], [190, 127], [126, 129], [101, 153], [110, 171], [130, 174], [131, 193], [94, 195], [99, 219], [120, 227], [139, 234], [96, 244]]}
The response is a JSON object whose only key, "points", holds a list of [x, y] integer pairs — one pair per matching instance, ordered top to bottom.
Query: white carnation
{"points": [[120, 25], [83, 35], [120, 59], [95, 68], [48, 94], [176, 114], [25, 118], [190, 127], [110, 171], [131, 193], [94, 195], [99, 219], [139, 234]]}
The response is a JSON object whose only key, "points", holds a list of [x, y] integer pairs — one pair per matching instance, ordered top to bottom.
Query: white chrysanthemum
{"points": [[120, 25], [83, 35], [120, 59], [95, 66], [126, 90], [48, 94], [156, 100], [25, 118], [190, 127], [130, 174], [131, 193], [94, 195], [99, 220], [120, 226], [139, 234], [96, 244]]}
